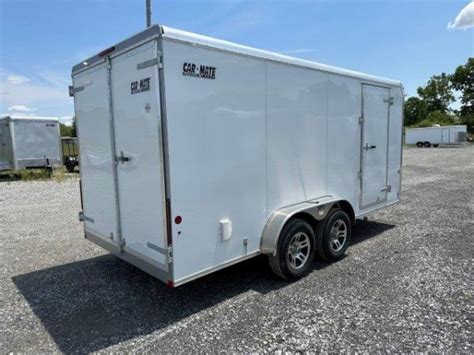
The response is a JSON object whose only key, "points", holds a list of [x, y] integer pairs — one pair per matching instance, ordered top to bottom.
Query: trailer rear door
{"points": [[118, 108], [136, 117], [374, 145], [97, 158]]}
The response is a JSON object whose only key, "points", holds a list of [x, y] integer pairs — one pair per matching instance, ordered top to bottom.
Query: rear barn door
{"points": [[136, 116], [374, 145], [96, 158]]}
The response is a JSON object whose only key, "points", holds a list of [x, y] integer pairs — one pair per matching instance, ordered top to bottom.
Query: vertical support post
{"points": [[148, 13]]}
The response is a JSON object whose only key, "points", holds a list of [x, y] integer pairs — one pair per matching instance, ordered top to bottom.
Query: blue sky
{"points": [[407, 40]]}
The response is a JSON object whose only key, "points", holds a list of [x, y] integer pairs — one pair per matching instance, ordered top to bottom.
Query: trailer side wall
{"points": [[259, 136]]}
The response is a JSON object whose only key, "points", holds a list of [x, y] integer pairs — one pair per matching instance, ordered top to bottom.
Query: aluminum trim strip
{"points": [[148, 63]]}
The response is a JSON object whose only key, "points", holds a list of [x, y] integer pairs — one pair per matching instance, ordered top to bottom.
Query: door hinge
{"points": [[148, 63], [73, 90], [389, 100], [361, 119], [359, 175], [387, 188], [83, 218]]}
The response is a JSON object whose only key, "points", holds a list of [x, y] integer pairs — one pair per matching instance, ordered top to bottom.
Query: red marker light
{"points": [[106, 51], [178, 219]]}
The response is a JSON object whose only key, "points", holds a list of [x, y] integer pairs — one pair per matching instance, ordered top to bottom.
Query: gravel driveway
{"points": [[405, 285]]}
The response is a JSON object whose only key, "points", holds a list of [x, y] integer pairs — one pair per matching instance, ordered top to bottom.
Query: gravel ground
{"points": [[406, 284]]}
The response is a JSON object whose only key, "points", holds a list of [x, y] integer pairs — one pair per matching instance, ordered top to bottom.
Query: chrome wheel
{"points": [[338, 235], [299, 250]]}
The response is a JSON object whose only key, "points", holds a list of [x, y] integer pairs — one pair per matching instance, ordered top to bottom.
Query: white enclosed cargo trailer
{"points": [[434, 136], [29, 142], [198, 153]]}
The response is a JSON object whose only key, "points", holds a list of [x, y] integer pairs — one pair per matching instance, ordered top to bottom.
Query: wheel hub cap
{"points": [[338, 235], [298, 250]]}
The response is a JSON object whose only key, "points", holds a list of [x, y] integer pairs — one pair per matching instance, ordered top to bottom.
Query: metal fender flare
{"points": [[318, 209]]}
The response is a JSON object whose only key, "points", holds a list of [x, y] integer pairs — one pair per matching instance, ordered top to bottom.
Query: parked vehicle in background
{"points": [[434, 136], [29, 142], [70, 151], [198, 153]]}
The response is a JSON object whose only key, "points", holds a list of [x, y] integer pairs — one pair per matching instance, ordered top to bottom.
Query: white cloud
{"points": [[465, 19], [17, 79], [55, 79], [47, 93], [21, 108], [66, 120]]}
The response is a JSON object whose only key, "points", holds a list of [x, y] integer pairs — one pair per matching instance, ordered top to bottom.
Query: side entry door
{"points": [[445, 136], [374, 145]]}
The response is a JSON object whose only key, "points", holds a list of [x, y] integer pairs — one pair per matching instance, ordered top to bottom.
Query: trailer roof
{"points": [[213, 43], [29, 118], [432, 127]]}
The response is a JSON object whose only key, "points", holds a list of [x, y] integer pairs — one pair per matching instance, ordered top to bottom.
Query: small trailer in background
{"points": [[434, 136], [29, 142], [70, 150], [198, 153]]}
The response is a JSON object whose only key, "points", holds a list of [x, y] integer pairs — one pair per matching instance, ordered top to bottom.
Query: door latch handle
{"points": [[367, 146], [122, 158]]}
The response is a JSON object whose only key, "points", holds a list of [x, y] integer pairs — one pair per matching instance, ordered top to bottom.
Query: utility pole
{"points": [[148, 13]]}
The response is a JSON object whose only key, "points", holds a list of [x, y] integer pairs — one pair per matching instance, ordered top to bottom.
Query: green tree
{"points": [[463, 81], [438, 93], [414, 111], [437, 117], [468, 120], [73, 128], [65, 130], [68, 131]]}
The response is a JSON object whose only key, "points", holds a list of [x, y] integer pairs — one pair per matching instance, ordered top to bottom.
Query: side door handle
{"points": [[367, 146], [122, 158]]}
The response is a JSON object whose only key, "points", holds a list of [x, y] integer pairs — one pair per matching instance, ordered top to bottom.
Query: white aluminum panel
{"points": [[375, 103], [136, 113], [296, 135], [343, 138], [216, 156], [96, 162]]}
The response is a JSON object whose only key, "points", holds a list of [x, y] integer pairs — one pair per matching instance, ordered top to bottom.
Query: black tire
{"points": [[419, 144], [427, 144], [436, 145], [69, 165], [325, 241], [282, 264]]}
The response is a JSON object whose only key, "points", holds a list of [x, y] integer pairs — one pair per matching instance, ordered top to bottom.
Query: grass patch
{"points": [[58, 174]]}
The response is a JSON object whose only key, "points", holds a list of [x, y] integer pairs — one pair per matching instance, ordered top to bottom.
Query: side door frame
{"points": [[361, 147]]}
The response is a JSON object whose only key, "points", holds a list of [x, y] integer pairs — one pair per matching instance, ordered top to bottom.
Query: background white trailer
{"points": [[428, 136], [27, 142], [198, 153]]}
